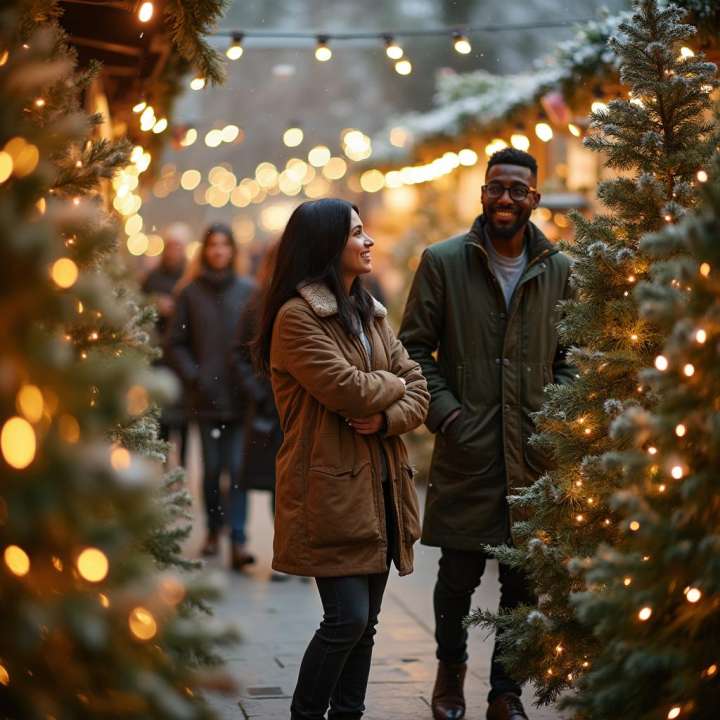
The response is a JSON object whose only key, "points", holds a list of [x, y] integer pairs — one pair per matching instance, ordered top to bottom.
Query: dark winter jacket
{"points": [[161, 281], [199, 344], [492, 363], [263, 434]]}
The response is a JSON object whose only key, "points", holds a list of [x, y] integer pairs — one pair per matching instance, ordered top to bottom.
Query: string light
{"points": [[145, 12], [461, 44], [235, 49], [392, 49], [322, 52], [686, 52], [403, 67], [197, 83], [139, 106], [599, 107], [574, 130], [544, 131], [293, 136], [189, 138], [520, 141], [702, 176], [705, 269], [700, 337], [661, 363], [689, 370], [30, 403], [680, 430], [18, 443], [677, 472], [634, 525], [17, 560], [92, 564], [627, 581], [693, 595], [645, 613], [142, 623], [4, 675], [674, 712]]}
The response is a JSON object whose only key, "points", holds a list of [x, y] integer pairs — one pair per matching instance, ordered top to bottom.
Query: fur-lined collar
{"points": [[323, 303]]}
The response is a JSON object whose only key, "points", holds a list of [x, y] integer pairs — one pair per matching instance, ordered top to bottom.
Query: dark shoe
{"points": [[210, 546], [240, 557], [448, 701], [506, 707]]}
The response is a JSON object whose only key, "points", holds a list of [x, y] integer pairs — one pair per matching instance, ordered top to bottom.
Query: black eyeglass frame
{"points": [[527, 189]]}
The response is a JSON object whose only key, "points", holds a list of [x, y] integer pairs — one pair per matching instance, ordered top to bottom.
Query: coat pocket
{"points": [[341, 507], [410, 508]]}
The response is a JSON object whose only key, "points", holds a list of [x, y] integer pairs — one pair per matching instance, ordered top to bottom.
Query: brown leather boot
{"points": [[240, 557], [448, 700], [506, 707]]}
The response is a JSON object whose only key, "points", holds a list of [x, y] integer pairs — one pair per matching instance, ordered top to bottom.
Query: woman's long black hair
{"points": [[309, 251]]}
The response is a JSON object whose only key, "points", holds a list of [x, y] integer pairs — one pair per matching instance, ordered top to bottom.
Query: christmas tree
{"points": [[658, 139], [653, 599], [90, 627]]}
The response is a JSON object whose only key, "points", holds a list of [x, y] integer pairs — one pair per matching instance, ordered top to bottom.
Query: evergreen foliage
{"points": [[657, 140], [666, 565], [89, 626]]}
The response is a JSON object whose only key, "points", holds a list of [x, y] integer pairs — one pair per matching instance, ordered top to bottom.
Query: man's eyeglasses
{"points": [[518, 192]]}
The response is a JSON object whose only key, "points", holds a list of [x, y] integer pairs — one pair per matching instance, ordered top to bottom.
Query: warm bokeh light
{"points": [[145, 12], [462, 44], [323, 53], [403, 67], [197, 83], [574, 130], [544, 131], [230, 133], [293, 136], [520, 141], [495, 145], [319, 156], [468, 157], [6, 166], [335, 168], [190, 179], [372, 181], [137, 244], [156, 245], [64, 273], [661, 363], [689, 370], [30, 403], [69, 429], [18, 443], [120, 458], [17, 560], [93, 565], [693, 595], [645, 613], [142, 624], [4, 676]]}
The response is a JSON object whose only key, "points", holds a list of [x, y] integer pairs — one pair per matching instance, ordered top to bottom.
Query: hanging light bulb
{"points": [[145, 12], [461, 43], [235, 49], [392, 49], [322, 52], [403, 67], [197, 83], [544, 131], [520, 141]]}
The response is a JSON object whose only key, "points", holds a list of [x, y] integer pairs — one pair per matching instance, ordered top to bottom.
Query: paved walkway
{"points": [[277, 620]]}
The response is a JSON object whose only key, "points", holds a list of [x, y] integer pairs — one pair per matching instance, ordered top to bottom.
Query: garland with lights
{"points": [[660, 139], [90, 627]]}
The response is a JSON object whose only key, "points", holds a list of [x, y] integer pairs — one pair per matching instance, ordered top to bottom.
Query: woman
{"points": [[211, 298], [345, 390]]}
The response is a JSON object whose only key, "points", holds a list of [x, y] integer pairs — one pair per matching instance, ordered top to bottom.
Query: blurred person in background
{"points": [[158, 286], [211, 297], [263, 434]]}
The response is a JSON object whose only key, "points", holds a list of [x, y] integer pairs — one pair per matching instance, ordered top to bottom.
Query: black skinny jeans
{"points": [[459, 574], [336, 665]]}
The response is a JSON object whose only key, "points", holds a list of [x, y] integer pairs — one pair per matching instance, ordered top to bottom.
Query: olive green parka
{"points": [[491, 362]]}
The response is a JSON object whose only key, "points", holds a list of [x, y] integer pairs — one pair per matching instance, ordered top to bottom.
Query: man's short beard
{"points": [[505, 233]]}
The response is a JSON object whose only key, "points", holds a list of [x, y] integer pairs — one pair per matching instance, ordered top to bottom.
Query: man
{"points": [[159, 286], [481, 321]]}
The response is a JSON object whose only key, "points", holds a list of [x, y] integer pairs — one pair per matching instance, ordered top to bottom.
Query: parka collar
{"points": [[537, 244], [323, 303]]}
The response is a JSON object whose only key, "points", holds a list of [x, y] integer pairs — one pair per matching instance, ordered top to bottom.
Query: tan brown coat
{"points": [[330, 513]]}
